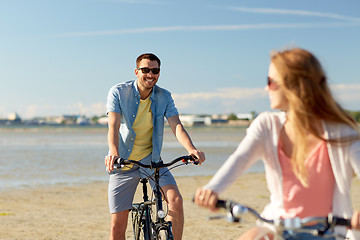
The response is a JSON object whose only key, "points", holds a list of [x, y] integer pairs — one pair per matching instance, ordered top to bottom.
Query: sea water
{"points": [[34, 156]]}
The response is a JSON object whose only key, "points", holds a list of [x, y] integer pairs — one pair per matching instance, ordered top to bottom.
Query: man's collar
{"points": [[137, 93]]}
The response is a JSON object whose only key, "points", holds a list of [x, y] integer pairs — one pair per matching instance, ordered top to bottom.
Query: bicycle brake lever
{"points": [[193, 159], [187, 161], [215, 217], [228, 217]]}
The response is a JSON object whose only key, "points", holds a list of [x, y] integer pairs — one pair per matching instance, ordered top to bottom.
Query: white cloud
{"points": [[295, 12], [351, 21], [207, 28], [223, 93], [348, 95], [247, 99], [223, 100], [87, 109], [34, 110], [40, 110], [3, 111]]}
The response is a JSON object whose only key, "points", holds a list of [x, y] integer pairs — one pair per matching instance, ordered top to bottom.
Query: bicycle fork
{"points": [[146, 216], [161, 223]]}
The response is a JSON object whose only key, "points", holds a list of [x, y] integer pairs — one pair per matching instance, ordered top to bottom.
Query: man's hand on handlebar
{"points": [[199, 155], [109, 162]]}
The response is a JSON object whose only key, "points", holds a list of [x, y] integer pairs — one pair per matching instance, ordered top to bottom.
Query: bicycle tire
{"points": [[141, 224], [165, 234]]}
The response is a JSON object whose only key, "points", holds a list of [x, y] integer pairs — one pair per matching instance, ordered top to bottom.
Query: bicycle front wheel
{"points": [[141, 225], [138, 230], [165, 234]]}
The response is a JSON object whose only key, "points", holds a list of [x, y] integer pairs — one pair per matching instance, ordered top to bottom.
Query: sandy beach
{"points": [[81, 211]]}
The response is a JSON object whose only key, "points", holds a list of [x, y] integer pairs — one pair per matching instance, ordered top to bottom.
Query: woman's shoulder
{"points": [[271, 117], [267, 122], [339, 130]]}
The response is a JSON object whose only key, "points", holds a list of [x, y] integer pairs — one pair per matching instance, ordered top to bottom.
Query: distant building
{"points": [[245, 116], [14, 118], [69, 119], [219, 119], [61, 120], [81, 120], [195, 120], [103, 121]]}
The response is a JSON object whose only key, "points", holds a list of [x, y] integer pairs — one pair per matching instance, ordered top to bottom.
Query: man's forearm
{"points": [[184, 138], [113, 142]]}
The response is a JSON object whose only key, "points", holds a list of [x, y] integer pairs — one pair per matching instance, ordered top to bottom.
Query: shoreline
{"points": [[101, 127], [81, 211]]}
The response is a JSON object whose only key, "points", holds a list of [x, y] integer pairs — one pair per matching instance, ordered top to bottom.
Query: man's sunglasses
{"points": [[147, 70], [272, 83]]}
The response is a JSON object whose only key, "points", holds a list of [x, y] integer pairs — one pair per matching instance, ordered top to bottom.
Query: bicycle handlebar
{"points": [[121, 162], [236, 210]]}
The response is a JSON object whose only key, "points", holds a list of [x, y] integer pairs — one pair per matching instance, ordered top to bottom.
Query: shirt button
{"points": [[133, 115], [132, 139], [128, 150]]}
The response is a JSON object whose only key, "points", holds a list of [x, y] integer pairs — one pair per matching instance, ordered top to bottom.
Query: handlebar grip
{"points": [[190, 158], [194, 158], [119, 161], [221, 204], [342, 221]]}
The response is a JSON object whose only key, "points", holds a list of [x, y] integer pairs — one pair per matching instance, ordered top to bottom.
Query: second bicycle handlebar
{"points": [[120, 162], [236, 210]]}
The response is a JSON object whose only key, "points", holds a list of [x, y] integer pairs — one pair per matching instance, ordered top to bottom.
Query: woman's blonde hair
{"points": [[305, 87]]}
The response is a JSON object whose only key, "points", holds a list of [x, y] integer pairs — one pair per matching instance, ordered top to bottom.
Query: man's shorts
{"points": [[123, 183]]}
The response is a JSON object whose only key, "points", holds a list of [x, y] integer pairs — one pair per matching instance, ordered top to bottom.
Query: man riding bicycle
{"points": [[136, 111]]}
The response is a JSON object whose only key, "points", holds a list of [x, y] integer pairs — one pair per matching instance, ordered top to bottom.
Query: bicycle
{"points": [[144, 225], [324, 228]]}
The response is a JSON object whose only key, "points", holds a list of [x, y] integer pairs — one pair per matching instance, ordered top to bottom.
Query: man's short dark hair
{"points": [[150, 56]]}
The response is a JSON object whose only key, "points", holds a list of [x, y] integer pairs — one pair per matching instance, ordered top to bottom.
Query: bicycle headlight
{"points": [[161, 213]]}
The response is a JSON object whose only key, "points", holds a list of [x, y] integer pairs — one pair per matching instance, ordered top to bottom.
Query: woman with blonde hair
{"points": [[310, 149]]}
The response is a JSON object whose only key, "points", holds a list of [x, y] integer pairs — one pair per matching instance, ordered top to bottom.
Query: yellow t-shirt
{"points": [[143, 127]]}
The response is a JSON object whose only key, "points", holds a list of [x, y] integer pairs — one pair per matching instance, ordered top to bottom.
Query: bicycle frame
{"points": [[141, 212], [141, 215], [160, 222]]}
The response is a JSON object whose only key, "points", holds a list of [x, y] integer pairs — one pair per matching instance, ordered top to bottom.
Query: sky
{"points": [[62, 56]]}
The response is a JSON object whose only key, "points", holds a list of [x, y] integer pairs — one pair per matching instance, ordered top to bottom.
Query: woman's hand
{"points": [[206, 198], [355, 221]]}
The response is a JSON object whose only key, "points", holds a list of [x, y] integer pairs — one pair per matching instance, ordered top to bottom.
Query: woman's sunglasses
{"points": [[147, 70], [272, 83]]}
